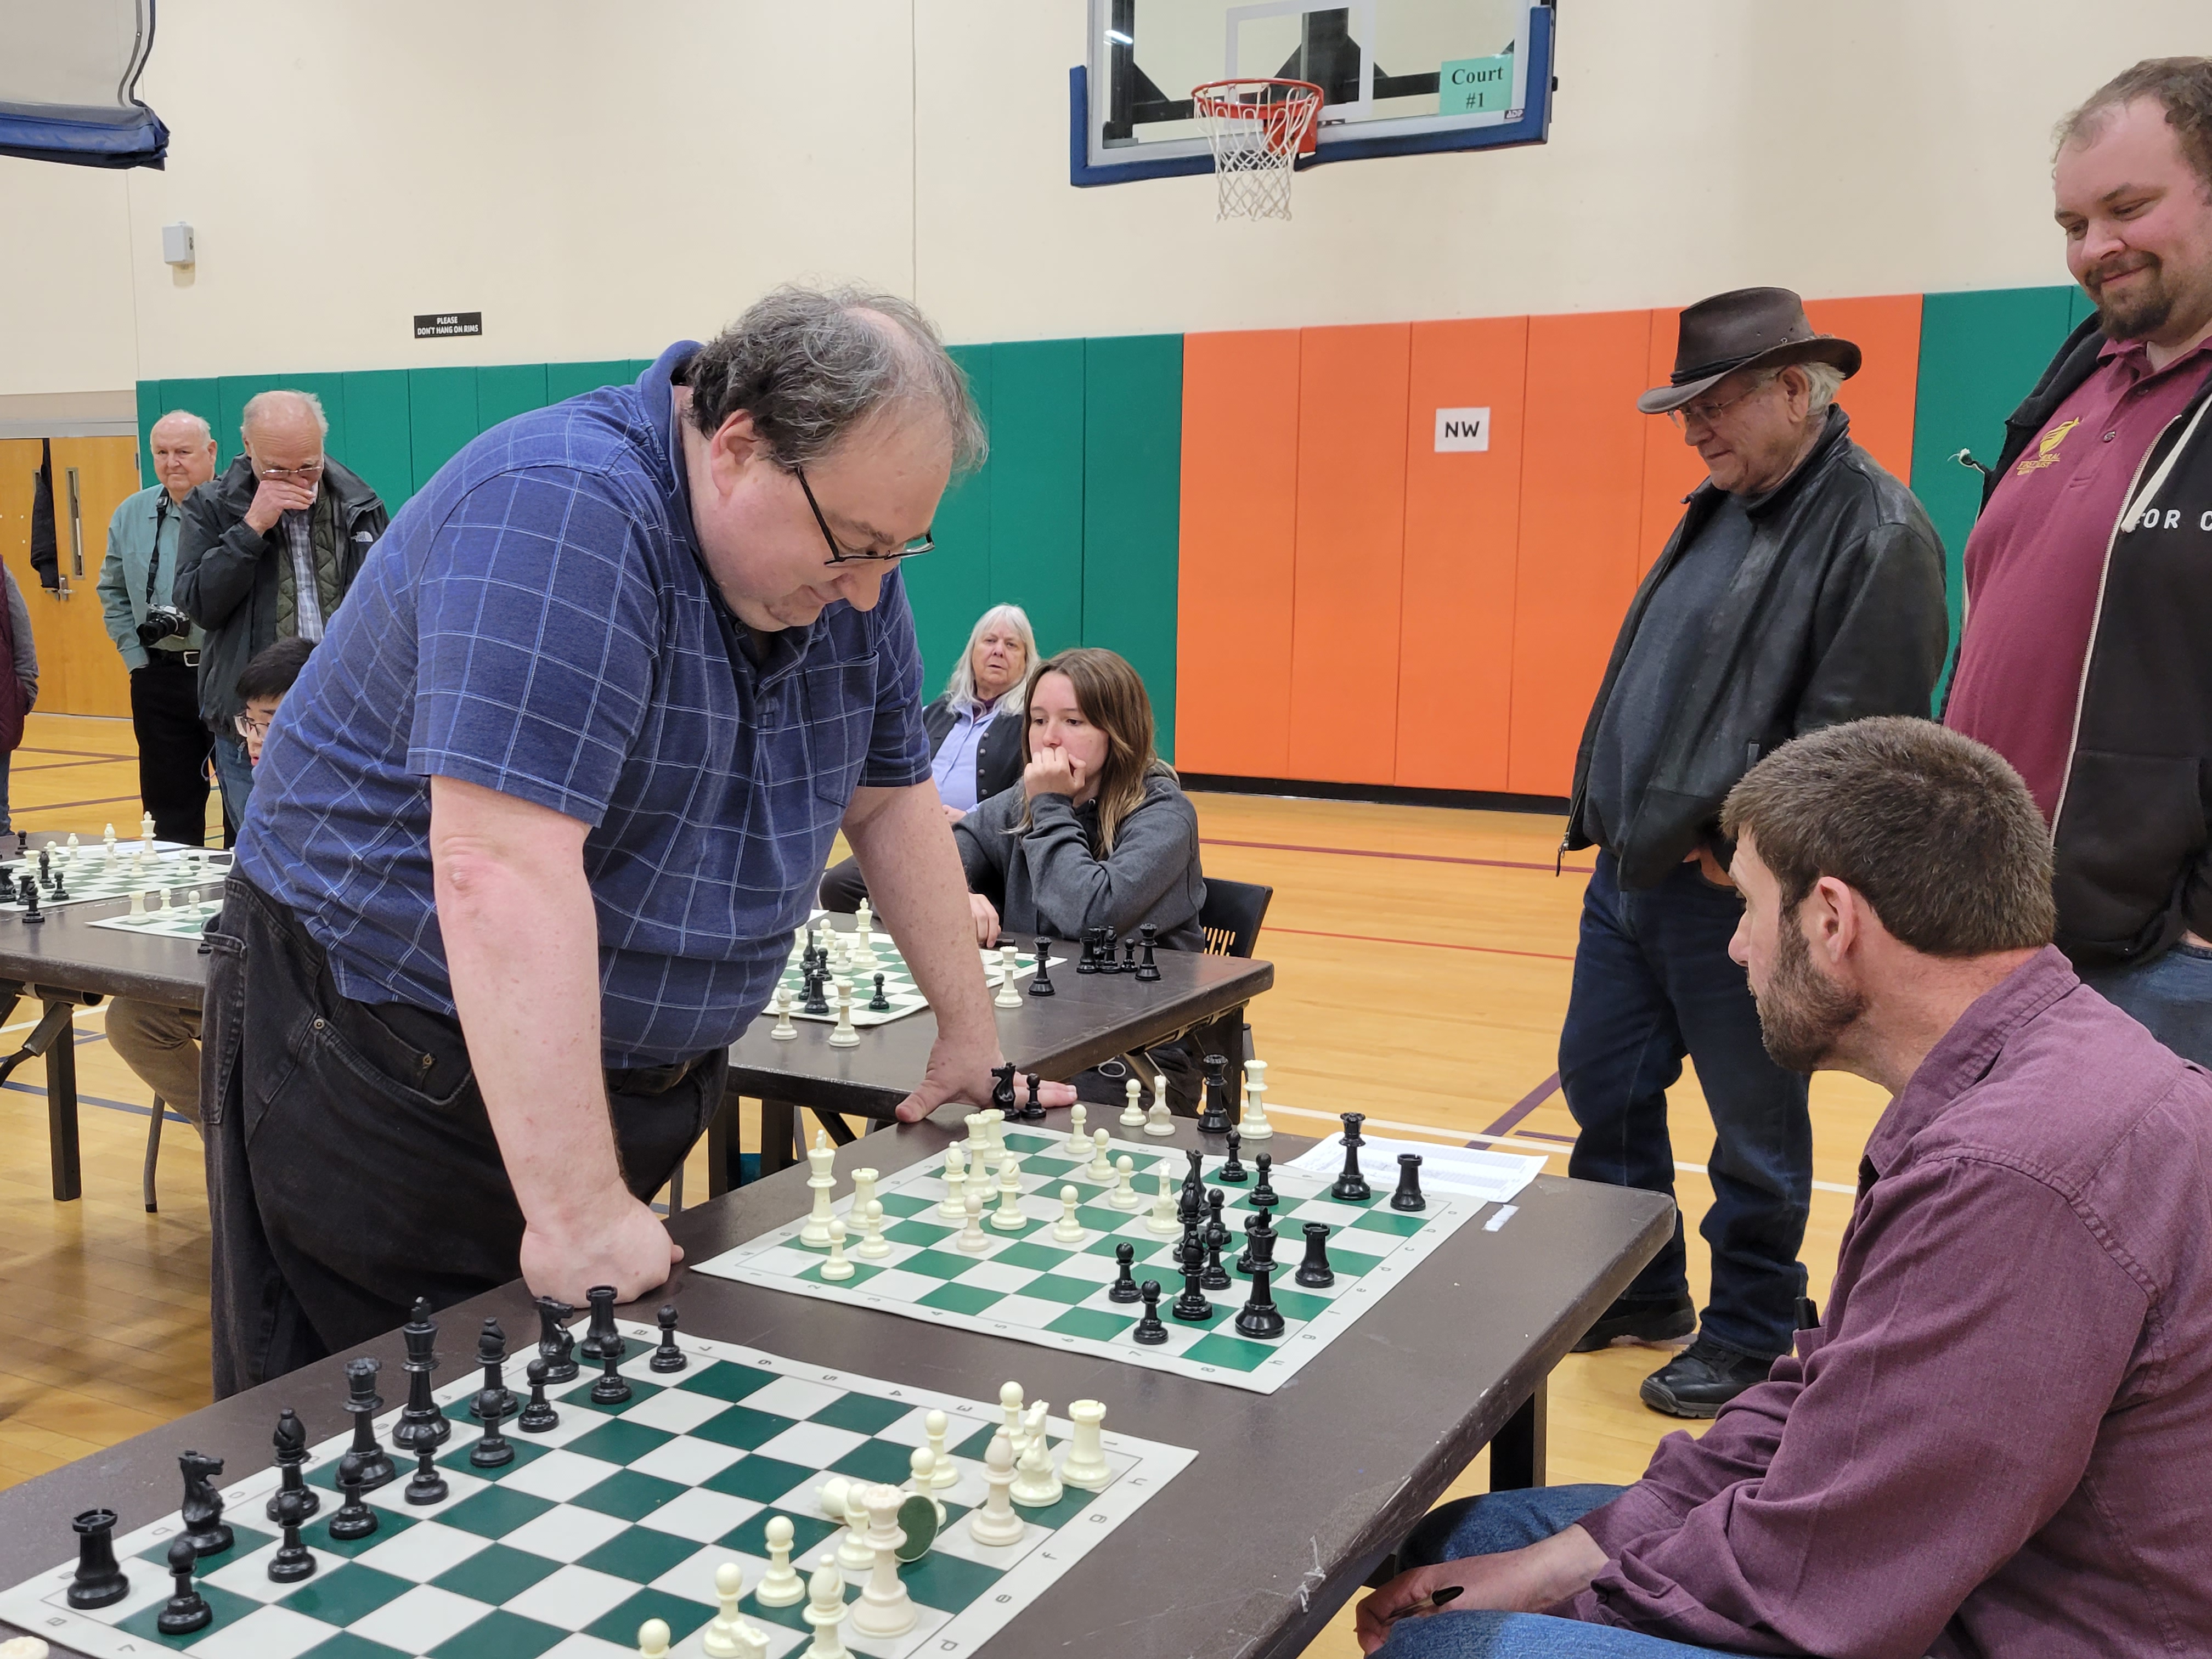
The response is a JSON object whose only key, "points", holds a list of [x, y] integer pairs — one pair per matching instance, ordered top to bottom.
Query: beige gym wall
{"points": [[599, 180]]}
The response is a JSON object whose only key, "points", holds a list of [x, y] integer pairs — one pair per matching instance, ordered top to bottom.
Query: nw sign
{"points": [[1463, 429]]}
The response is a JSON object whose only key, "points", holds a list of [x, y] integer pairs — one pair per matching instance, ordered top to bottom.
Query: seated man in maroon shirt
{"points": [[2083, 659], [1997, 1442]]}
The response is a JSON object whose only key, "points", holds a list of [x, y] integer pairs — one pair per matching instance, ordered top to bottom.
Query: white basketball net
{"points": [[1257, 129]]}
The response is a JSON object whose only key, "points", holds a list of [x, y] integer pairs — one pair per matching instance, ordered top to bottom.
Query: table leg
{"points": [[61, 1104], [778, 1118], [722, 1169], [1516, 1452]]}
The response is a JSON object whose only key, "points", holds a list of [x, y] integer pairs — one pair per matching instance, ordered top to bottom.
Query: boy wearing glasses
{"points": [[268, 551]]}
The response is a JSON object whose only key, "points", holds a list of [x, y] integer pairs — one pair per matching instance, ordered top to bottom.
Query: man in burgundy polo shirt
{"points": [[2087, 658], [1996, 1443]]}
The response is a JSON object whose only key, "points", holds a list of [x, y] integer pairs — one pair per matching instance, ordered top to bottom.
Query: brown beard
{"points": [[2144, 313], [1801, 1013]]}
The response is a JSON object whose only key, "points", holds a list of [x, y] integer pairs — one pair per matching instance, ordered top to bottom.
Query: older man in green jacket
{"points": [[160, 646]]}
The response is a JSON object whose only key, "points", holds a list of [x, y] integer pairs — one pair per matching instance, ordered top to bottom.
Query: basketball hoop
{"points": [[1258, 129]]}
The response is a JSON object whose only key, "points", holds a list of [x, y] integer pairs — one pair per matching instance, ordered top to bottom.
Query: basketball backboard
{"points": [[1398, 77]]}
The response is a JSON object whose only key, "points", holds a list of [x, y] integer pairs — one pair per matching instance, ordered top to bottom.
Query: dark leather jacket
{"points": [[1837, 613], [998, 757]]}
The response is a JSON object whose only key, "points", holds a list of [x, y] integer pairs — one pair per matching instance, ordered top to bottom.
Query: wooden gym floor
{"points": [[1422, 960]]}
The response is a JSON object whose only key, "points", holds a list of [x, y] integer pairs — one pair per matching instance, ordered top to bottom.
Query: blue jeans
{"points": [[235, 773], [1653, 982], [2171, 994], [1490, 1525]]}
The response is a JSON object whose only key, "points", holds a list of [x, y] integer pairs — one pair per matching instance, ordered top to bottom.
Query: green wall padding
{"points": [[1981, 352], [566, 380], [507, 390], [149, 411], [441, 416], [378, 446], [1036, 485], [1132, 508], [948, 588]]}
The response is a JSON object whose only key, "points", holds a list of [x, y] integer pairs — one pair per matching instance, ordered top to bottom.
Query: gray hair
{"points": [[810, 365], [1822, 382], [268, 403], [207, 432], [961, 687]]}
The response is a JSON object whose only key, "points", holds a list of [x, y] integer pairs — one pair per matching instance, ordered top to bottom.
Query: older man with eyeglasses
{"points": [[267, 551], [1802, 587], [534, 830]]}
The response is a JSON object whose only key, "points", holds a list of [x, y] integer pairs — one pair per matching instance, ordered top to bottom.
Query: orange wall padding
{"points": [[1879, 397], [1240, 484], [1581, 498], [1463, 541], [1350, 542]]}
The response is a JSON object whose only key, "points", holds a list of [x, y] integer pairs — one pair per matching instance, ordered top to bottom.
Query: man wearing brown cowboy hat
{"points": [[1802, 587]]}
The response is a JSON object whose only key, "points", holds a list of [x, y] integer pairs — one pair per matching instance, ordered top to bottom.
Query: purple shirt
{"points": [[2035, 561], [954, 768], [2001, 1441]]}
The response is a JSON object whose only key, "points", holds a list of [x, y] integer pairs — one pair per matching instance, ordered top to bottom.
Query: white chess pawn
{"points": [[192, 898], [157, 901], [137, 902], [783, 1029], [844, 1037], [1133, 1115], [1160, 1120], [1075, 1122], [1254, 1125], [1102, 1167], [1125, 1196], [955, 1203], [1008, 1217], [1160, 1222], [1067, 1230], [971, 1237], [874, 1246], [836, 1266], [1016, 1427], [1086, 1464], [923, 1466], [943, 1471], [1035, 1485], [833, 1495], [995, 1522], [854, 1555], [780, 1586], [884, 1607], [825, 1611], [731, 1636], [653, 1638]]}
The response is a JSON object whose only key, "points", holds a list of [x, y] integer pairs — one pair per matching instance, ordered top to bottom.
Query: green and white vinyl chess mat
{"points": [[93, 874], [180, 920], [905, 996], [1032, 1287], [618, 1515]]}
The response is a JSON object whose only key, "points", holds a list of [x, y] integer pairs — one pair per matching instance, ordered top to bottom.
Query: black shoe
{"points": [[1647, 1319], [1703, 1378]]}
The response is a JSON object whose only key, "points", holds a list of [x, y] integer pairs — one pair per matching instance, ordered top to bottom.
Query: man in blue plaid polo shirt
{"points": [[531, 836]]}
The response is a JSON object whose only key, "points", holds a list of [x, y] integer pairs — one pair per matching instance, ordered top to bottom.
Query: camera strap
{"points": [[154, 564]]}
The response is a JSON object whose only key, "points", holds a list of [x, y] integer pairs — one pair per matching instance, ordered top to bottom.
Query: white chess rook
{"points": [[1009, 995], [845, 1036], [1085, 1463]]}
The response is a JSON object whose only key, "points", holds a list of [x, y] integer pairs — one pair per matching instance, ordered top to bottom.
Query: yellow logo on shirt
{"points": [[2046, 448]]}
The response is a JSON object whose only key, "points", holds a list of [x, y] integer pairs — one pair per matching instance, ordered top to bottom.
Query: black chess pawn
{"points": [[22, 843], [61, 884], [30, 901], [1128, 956], [1087, 963], [1148, 970], [1041, 984], [879, 1004], [1033, 1109], [1214, 1120], [1234, 1171], [1351, 1184], [1263, 1192], [1408, 1196], [1215, 1198], [1191, 1247], [1314, 1273], [1214, 1276], [1124, 1287], [1192, 1305], [1260, 1316], [1149, 1329], [602, 1336], [557, 1343], [491, 1354], [668, 1357], [612, 1387], [363, 1401], [538, 1416], [421, 1423], [290, 1441], [495, 1450], [426, 1485], [202, 1506], [355, 1519], [294, 1560], [98, 1582], [186, 1609]]}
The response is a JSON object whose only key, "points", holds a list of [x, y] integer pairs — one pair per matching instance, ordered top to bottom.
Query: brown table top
{"points": [[66, 952], [1293, 1499]]}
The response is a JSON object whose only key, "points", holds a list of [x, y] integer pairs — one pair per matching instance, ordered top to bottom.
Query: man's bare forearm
{"points": [[906, 851]]}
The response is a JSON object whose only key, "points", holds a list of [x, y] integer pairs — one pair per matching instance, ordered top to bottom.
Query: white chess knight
{"points": [[783, 1029], [1254, 1125], [1161, 1221], [1086, 1464], [1035, 1485], [780, 1586], [884, 1607], [731, 1635]]}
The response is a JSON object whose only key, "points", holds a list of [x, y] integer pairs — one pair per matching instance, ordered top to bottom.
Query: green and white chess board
{"points": [[94, 873], [178, 921], [905, 996], [1032, 1287], [618, 1515]]}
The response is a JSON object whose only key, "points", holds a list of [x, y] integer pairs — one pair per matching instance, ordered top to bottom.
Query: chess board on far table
{"points": [[93, 873], [182, 920], [905, 996], [1031, 1287], [618, 1515]]}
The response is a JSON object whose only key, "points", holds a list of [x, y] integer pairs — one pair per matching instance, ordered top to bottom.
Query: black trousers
{"points": [[174, 747], [351, 1163]]}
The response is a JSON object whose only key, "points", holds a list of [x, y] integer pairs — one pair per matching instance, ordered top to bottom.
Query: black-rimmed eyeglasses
{"points": [[839, 554]]}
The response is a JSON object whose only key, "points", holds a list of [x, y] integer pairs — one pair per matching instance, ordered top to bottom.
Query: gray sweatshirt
{"points": [[27, 648], [1049, 883]]}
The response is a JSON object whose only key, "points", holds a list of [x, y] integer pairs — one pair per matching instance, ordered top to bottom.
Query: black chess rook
{"points": [[1148, 970], [1215, 1120], [1408, 1196], [1314, 1273], [602, 1335], [363, 1402], [98, 1580]]}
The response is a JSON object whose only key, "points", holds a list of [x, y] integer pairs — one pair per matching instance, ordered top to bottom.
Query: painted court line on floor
{"points": [[1411, 858], [1426, 943]]}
